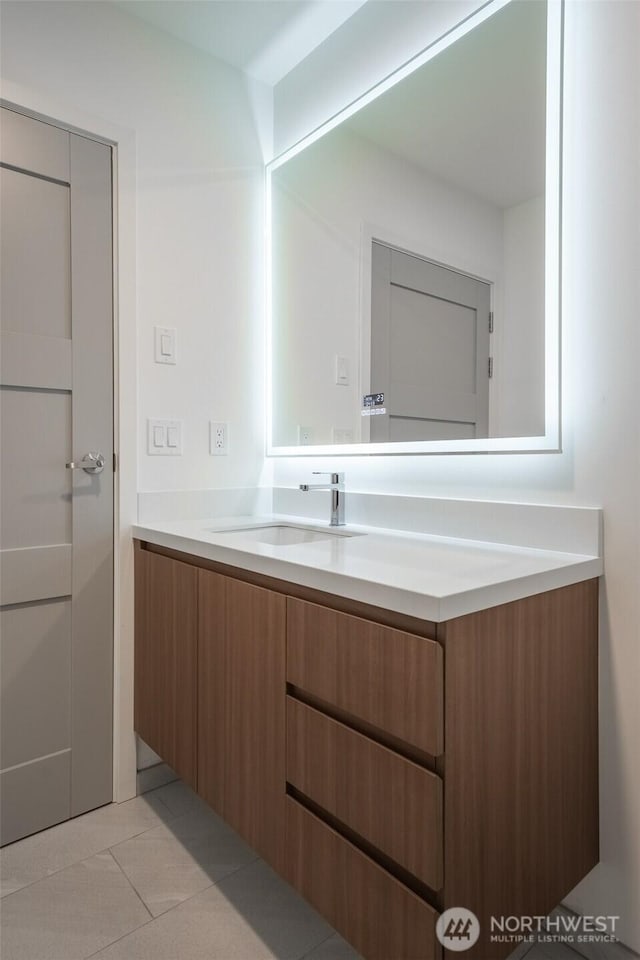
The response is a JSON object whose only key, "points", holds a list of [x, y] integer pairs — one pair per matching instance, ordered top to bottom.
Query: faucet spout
{"points": [[336, 487]]}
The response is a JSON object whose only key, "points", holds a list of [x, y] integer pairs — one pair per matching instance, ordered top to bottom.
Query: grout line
{"points": [[95, 853], [131, 884], [152, 919], [317, 945], [107, 946]]}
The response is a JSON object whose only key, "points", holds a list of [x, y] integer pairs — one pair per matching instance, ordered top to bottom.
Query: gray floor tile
{"points": [[179, 798], [39, 856], [174, 861], [72, 914], [250, 915], [335, 948], [522, 950], [552, 951]]}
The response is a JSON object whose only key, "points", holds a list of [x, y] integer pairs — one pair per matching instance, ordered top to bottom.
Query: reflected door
{"points": [[429, 349], [56, 530]]}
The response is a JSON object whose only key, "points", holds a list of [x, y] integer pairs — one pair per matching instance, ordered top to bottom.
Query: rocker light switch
{"points": [[165, 345], [164, 438]]}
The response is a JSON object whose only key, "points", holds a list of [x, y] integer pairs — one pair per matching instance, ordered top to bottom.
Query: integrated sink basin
{"points": [[283, 534]]}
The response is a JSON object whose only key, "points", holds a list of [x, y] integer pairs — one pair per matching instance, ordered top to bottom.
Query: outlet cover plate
{"points": [[218, 438]]}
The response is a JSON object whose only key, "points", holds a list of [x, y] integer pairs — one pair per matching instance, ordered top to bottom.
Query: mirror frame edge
{"points": [[551, 441]]}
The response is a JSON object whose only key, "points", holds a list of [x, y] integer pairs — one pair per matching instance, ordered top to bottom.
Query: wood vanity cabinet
{"points": [[166, 632], [241, 709], [389, 768]]}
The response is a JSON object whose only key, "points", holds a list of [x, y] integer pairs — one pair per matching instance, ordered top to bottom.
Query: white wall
{"points": [[199, 215], [600, 462]]}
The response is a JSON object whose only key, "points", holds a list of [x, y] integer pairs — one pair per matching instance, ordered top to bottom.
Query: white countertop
{"points": [[433, 578]]}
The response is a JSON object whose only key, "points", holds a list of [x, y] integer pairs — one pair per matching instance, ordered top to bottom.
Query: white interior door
{"points": [[429, 349], [56, 524]]}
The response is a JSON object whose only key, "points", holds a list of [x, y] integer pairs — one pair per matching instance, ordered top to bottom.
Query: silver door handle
{"points": [[90, 463]]}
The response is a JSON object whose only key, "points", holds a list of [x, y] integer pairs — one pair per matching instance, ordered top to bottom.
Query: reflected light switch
{"points": [[342, 371], [158, 436], [172, 437]]}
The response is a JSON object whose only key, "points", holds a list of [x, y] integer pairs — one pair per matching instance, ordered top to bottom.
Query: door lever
{"points": [[91, 463]]}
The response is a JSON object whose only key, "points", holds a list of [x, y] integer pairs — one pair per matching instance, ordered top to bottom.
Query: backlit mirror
{"points": [[413, 257]]}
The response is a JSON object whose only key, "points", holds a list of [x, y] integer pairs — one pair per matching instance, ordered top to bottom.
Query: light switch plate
{"points": [[165, 344], [342, 371], [339, 435], [164, 438]]}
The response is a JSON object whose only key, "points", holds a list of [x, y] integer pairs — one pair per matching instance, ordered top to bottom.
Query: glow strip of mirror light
{"points": [[551, 441]]}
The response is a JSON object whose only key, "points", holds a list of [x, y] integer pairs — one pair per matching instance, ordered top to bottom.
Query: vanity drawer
{"points": [[390, 679], [389, 801], [377, 914]]}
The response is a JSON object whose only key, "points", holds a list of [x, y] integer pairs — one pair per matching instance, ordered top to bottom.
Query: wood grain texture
{"points": [[391, 618], [166, 619], [391, 679], [211, 686], [241, 708], [521, 784], [391, 802], [380, 917]]}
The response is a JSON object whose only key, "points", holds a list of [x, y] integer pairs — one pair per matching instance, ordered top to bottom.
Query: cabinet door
{"points": [[165, 659], [241, 709]]}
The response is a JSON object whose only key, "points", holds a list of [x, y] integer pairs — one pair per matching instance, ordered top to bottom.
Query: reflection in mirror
{"points": [[408, 254]]}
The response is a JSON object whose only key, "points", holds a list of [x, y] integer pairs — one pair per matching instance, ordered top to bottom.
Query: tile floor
{"points": [[158, 878]]}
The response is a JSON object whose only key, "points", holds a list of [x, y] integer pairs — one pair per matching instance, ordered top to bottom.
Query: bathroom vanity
{"points": [[390, 765]]}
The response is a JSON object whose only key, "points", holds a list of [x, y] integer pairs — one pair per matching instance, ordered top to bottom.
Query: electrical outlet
{"points": [[305, 436], [218, 438]]}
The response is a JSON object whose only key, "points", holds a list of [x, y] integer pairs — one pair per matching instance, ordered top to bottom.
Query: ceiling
{"points": [[264, 38]]}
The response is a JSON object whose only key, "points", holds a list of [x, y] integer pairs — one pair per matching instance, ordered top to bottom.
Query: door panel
{"points": [[33, 145], [36, 255], [433, 340], [429, 349], [31, 360], [405, 428], [36, 489], [56, 534], [39, 573], [35, 701], [35, 795]]}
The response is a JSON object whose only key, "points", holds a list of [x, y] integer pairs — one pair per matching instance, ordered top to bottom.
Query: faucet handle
{"points": [[335, 477]]}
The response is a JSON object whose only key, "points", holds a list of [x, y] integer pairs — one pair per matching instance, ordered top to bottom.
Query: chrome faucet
{"points": [[337, 494]]}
